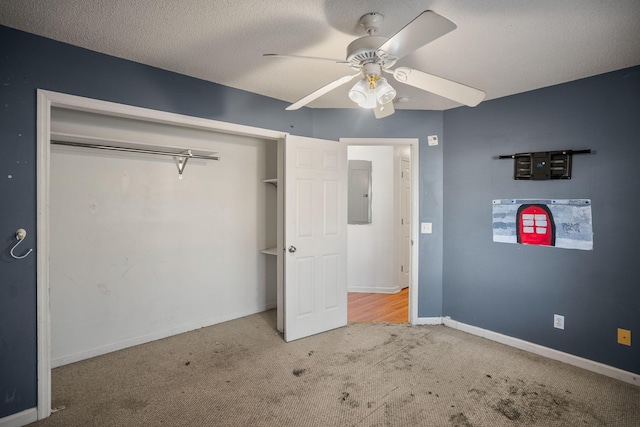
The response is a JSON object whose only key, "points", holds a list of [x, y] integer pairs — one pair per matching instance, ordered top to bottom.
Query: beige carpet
{"points": [[241, 373]]}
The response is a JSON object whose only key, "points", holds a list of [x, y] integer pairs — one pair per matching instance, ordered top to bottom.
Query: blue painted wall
{"points": [[506, 288], [516, 289]]}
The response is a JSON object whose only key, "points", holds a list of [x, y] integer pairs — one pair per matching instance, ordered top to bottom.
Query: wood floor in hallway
{"points": [[368, 308]]}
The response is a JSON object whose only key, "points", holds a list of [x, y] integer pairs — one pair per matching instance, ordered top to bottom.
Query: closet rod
{"points": [[137, 150]]}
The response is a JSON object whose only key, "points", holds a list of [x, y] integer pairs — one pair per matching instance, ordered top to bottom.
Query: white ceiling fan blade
{"points": [[424, 29], [317, 58], [446, 88], [318, 93], [384, 110]]}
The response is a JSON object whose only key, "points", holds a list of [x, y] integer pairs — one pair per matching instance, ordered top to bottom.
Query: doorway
{"points": [[381, 250]]}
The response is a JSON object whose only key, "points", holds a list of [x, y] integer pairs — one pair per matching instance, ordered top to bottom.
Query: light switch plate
{"points": [[432, 140], [426, 228]]}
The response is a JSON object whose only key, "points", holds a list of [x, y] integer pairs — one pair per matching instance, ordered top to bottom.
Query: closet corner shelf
{"points": [[273, 181], [270, 251]]}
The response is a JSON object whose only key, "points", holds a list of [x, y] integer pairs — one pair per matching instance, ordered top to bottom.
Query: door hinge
{"points": [[402, 269]]}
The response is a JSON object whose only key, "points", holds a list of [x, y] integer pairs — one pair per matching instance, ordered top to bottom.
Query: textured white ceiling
{"points": [[500, 46]]}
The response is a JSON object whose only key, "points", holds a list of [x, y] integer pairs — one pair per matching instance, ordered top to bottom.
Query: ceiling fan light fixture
{"points": [[384, 91], [359, 92], [362, 94], [370, 102]]}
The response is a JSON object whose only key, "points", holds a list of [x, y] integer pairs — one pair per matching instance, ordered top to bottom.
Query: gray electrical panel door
{"points": [[359, 192]]}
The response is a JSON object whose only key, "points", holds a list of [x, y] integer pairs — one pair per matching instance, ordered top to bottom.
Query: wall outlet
{"points": [[432, 140], [426, 228], [558, 321], [624, 337]]}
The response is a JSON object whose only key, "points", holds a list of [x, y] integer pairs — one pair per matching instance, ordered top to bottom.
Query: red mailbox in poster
{"points": [[535, 225]]}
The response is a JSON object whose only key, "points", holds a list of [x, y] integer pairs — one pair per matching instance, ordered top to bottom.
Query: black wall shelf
{"points": [[543, 165]]}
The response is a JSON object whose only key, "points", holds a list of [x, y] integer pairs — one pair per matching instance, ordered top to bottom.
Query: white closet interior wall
{"points": [[138, 254]]}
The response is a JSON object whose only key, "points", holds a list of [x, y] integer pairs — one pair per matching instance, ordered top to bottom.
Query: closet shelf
{"points": [[273, 181], [270, 251]]}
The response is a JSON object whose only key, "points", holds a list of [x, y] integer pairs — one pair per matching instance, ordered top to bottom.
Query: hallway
{"points": [[369, 308]]}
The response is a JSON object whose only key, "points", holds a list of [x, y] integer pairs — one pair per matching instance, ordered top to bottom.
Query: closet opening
{"points": [[134, 246]]}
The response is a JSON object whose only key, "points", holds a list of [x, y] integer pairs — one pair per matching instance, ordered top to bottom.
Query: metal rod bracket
{"points": [[181, 162]]}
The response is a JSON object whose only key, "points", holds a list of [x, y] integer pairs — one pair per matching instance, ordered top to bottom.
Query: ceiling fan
{"points": [[373, 55]]}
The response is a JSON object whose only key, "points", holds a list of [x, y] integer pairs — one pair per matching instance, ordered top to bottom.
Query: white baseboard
{"points": [[374, 289], [428, 321], [97, 351], [590, 365], [20, 419]]}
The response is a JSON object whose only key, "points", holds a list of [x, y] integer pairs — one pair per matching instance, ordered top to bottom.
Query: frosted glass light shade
{"points": [[359, 92], [384, 92], [370, 102]]}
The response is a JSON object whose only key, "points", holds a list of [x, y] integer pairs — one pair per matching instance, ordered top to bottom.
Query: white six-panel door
{"points": [[315, 239]]}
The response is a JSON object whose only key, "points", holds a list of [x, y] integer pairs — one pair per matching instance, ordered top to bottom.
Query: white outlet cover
{"points": [[432, 140], [426, 228], [558, 321]]}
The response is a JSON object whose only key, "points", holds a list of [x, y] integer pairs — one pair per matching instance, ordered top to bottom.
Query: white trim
{"points": [[46, 101], [78, 103], [398, 177], [415, 203], [42, 244], [374, 289], [428, 321], [61, 361], [590, 365], [20, 419]]}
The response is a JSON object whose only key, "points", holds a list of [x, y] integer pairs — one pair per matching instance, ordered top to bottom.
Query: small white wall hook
{"points": [[20, 235]]}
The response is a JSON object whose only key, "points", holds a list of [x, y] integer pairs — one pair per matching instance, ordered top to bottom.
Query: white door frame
{"points": [[46, 101], [415, 156], [403, 228]]}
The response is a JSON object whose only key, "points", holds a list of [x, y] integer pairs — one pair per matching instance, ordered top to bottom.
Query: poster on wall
{"points": [[545, 222]]}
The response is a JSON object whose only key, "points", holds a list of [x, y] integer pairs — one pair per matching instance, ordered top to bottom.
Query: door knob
{"points": [[292, 249]]}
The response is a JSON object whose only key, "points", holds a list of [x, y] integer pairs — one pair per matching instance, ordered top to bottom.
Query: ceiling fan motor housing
{"points": [[363, 50]]}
